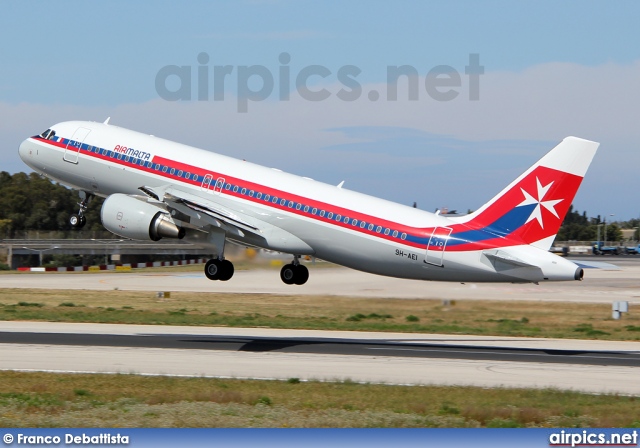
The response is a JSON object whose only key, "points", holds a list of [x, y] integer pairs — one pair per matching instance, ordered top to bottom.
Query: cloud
{"points": [[456, 154]]}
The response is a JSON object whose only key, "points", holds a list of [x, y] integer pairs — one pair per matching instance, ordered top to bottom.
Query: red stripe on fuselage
{"points": [[422, 233]]}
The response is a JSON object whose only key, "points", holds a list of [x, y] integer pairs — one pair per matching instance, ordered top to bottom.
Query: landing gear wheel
{"points": [[77, 221], [212, 269], [218, 269], [226, 270], [288, 274], [294, 274], [302, 275]]}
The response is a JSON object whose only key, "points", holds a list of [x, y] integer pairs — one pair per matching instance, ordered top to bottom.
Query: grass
{"points": [[474, 317], [81, 400]]}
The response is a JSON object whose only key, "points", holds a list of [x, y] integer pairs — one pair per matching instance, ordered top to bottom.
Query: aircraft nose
{"points": [[24, 150]]}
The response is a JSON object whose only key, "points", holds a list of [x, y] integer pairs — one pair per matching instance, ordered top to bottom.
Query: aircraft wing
{"points": [[194, 207], [203, 213]]}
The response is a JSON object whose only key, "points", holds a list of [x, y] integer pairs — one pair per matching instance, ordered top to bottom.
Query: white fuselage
{"points": [[372, 235]]}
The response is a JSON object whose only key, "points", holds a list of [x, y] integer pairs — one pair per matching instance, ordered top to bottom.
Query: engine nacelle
{"points": [[131, 218]]}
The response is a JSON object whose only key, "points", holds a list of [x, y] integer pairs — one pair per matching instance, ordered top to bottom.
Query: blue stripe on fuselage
{"points": [[502, 227]]}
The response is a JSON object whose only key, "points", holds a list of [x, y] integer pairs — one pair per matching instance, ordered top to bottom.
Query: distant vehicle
{"points": [[600, 249], [631, 250], [563, 251]]}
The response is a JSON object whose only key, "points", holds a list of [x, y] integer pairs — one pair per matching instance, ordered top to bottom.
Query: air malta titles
{"points": [[132, 152]]}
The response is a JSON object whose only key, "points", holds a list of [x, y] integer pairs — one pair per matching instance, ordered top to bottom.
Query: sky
{"points": [[487, 88]]}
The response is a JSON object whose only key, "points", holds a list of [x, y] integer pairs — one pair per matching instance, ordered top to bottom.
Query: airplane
{"points": [[155, 189]]}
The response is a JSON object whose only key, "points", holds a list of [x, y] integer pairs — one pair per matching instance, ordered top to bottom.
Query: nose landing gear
{"points": [[78, 220]]}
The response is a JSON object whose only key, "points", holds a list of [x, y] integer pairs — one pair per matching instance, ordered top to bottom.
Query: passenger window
{"points": [[164, 169], [180, 173], [235, 189], [244, 191], [251, 193], [259, 195], [266, 197], [275, 199], [282, 201], [290, 204], [298, 206], [306, 208], [314, 211], [330, 215], [338, 217], [362, 224], [386, 231], [395, 233], [403, 236]]}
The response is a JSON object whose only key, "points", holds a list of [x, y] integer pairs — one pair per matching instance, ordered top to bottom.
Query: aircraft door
{"points": [[73, 147], [207, 182], [217, 189], [436, 246]]}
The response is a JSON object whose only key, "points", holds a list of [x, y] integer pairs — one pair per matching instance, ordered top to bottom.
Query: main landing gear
{"points": [[78, 220], [216, 269], [294, 273]]}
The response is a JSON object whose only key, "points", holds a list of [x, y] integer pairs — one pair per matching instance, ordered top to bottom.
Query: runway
{"points": [[599, 285], [391, 358], [591, 366]]}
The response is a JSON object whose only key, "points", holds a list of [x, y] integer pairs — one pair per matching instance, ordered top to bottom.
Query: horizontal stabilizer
{"points": [[503, 256]]}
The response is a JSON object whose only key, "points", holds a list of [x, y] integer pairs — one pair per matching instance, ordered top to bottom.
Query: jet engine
{"points": [[131, 218]]}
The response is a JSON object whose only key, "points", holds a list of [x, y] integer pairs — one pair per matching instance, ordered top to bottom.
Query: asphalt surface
{"points": [[328, 346], [263, 353]]}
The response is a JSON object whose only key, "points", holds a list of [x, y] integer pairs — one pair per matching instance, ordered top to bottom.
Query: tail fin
{"points": [[533, 206]]}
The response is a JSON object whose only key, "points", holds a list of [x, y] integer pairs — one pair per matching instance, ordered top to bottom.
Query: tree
{"points": [[32, 202]]}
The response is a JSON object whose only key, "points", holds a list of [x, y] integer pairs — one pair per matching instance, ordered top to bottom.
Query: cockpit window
{"points": [[48, 134]]}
